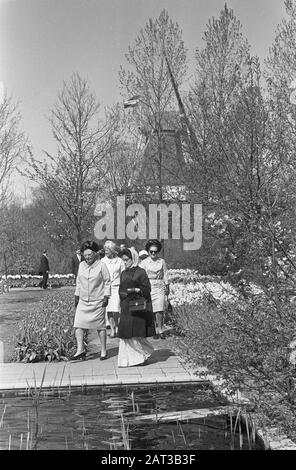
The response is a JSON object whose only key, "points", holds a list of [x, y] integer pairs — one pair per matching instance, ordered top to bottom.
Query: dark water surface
{"points": [[103, 419]]}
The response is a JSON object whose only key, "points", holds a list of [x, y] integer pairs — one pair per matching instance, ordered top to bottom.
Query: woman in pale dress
{"points": [[115, 267], [156, 270], [93, 289], [134, 327]]}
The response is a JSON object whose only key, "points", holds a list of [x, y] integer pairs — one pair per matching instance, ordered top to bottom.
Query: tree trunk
{"points": [[5, 265]]}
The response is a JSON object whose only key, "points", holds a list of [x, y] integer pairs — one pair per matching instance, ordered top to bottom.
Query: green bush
{"points": [[47, 334], [246, 343]]}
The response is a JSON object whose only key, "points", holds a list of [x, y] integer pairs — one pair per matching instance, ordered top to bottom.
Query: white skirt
{"points": [[157, 295], [114, 300], [133, 351]]}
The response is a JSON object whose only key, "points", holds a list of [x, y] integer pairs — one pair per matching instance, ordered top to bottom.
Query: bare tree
{"points": [[12, 142], [73, 175]]}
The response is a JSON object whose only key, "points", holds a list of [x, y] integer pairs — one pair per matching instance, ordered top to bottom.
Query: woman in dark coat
{"points": [[134, 327]]}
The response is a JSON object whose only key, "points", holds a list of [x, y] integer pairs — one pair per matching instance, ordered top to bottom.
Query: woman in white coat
{"points": [[115, 267], [93, 289]]}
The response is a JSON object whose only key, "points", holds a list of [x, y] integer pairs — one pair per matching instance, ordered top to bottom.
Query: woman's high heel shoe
{"points": [[79, 357], [102, 358]]}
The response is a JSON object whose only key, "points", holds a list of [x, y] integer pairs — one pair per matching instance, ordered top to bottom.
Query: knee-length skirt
{"points": [[157, 295], [114, 300], [90, 315]]}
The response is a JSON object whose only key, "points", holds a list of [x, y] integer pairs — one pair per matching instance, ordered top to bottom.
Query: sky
{"points": [[42, 42]]}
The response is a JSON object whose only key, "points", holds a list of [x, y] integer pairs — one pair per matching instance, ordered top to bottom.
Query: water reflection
{"points": [[102, 419]]}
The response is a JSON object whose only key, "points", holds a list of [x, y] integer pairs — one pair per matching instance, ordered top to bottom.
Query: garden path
{"points": [[162, 367]]}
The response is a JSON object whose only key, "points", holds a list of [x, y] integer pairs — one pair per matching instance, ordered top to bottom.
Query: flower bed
{"points": [[183, 276], [187, 276], [179, 278], [27, 280], [191, 293], [47, 334]]}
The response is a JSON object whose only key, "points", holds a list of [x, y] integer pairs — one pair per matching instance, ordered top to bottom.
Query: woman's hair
{"points": [[153, 243], [89, 245], [111, 245], [126, 252], [101, 253]]}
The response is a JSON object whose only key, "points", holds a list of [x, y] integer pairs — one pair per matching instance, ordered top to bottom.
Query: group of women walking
{"points": [[126, 289]]}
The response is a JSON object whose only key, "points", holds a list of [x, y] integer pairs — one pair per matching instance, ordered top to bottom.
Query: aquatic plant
{"points": [[35, 394]]}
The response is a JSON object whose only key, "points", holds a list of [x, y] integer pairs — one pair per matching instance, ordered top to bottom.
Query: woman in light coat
{"points": [[115, 267], [93, 289]]}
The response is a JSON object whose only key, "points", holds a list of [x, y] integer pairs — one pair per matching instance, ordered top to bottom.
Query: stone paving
{"points": [[162, 367]]}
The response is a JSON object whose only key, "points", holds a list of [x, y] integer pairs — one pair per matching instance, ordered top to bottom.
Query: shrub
{"points": [[47, 334], [247, 344]]}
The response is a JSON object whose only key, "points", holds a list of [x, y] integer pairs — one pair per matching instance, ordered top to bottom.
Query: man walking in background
{"points": [[76, 259], [44, 270]]}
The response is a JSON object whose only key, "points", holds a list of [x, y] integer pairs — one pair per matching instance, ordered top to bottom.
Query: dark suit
{"points": [[75, 264], [43, 271]]}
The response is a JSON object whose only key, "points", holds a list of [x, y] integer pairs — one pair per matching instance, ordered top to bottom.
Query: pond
{"points": [[112, 418]]}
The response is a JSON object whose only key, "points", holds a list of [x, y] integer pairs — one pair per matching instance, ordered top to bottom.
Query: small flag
{"points": [[133, 101]]}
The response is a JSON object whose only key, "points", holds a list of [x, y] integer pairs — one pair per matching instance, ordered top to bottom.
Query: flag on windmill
{"points": [[131, 102]]}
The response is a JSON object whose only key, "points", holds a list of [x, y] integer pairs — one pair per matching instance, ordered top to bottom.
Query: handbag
{"points": [[137, 305]]}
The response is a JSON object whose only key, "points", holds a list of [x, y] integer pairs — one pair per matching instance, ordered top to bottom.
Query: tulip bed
{"points": [[187, 276], [177, 277], [182, 279], [27, 280], [189, 287], [191, 293], [47, 332]]}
